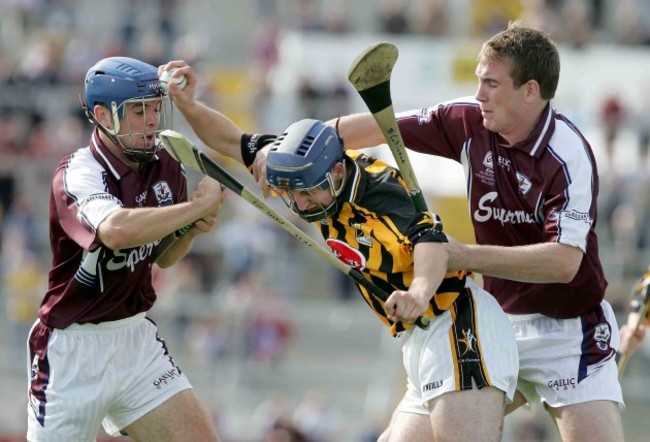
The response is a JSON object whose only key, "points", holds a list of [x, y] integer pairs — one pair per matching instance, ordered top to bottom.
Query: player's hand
{"points": [[182, 97], [259, 169], [209, 194], [406, 307], [630, 341]]}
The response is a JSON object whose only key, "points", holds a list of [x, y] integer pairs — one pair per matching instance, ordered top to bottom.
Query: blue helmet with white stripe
{"points": [[115, 81], [301, 159]]}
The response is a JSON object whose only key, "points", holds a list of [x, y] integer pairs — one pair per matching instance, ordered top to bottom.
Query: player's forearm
{"points": [[215, 130], [359, 131], [126, 228], [177, 250], [535, 263], [429, 267]]}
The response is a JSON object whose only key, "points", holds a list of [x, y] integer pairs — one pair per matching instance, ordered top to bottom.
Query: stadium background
{"points": [[264, 328]]}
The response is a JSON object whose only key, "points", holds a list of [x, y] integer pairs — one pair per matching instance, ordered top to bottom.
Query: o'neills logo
{"points": [[346, 254], [167, 377]]}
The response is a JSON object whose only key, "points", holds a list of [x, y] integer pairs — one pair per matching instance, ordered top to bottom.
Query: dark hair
{"points": [[533, 54]]}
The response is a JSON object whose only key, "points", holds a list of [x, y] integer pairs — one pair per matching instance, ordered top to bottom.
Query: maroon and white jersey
{"points": [[542, 189], [89, 282]]}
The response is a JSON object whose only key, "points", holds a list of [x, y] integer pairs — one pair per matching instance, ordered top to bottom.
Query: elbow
{"points": [[113, 238], [568, 260], [567, 270]]}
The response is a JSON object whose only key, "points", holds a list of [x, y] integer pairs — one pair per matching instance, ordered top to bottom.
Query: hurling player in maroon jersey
{"points": [[532, 187], [118, 206]]}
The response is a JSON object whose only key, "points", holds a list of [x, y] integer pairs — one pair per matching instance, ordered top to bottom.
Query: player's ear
{"points": [[531, 89], [103, 116], [338, 171]]}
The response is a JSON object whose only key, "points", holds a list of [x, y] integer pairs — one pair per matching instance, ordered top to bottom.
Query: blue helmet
{"points": [[113, 82], [301, 159]]}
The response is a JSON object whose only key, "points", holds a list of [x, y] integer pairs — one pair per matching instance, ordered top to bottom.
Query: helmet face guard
{"points": [[115, 83], [301, 160]]}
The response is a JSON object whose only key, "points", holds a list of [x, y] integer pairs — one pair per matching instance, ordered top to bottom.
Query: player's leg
{"points": [[570, 363], [459, 371], [67, 398], [155, 401], [518, 401], [468, 415], [180, 418], [450, 419], [596, 421], [406, 426]]}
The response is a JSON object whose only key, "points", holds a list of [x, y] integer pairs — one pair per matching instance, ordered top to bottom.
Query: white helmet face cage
{"points": [[139, 144], [286, 194]]}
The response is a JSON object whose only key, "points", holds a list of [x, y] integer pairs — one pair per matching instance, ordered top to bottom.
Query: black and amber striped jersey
{"points": [[375, 229]]}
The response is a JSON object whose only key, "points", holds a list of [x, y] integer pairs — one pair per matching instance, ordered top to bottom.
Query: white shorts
{"points": [[471, 345], [568, 361], [111, 373]]}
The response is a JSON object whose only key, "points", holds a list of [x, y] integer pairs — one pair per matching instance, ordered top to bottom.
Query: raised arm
{"points": [[215, 129], [358, 130]]}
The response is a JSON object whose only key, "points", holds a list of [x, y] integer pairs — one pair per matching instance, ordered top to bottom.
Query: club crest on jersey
{"points": [[425, 115], [524, 183], [163, 193], [363, 239], [346, 254], [602, 335], [34, 369]]}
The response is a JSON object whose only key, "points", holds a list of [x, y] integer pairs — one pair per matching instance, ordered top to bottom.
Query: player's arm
{"points": [[216, 130], [358, 131], [132, 227], [182, 242], [536, 263], [429, 269], [631, 335], [630, 338]]}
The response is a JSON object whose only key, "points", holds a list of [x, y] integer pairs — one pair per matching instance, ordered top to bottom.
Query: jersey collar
{"points": [[538, 139], [107, 158], [355, 184]]}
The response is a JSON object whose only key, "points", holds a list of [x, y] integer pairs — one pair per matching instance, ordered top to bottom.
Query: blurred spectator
{"points": [[537, 14], [492, 16], [336, 17], [393, 17], [430, 17], [309, 18], [576, 23], [631, 26], [323, 102], [612, 116], [642, 127], [270, 330], [276, 407], [317, 418]]}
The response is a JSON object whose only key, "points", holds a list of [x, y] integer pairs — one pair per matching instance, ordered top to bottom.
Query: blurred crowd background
{"points": [[276, 342]]}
